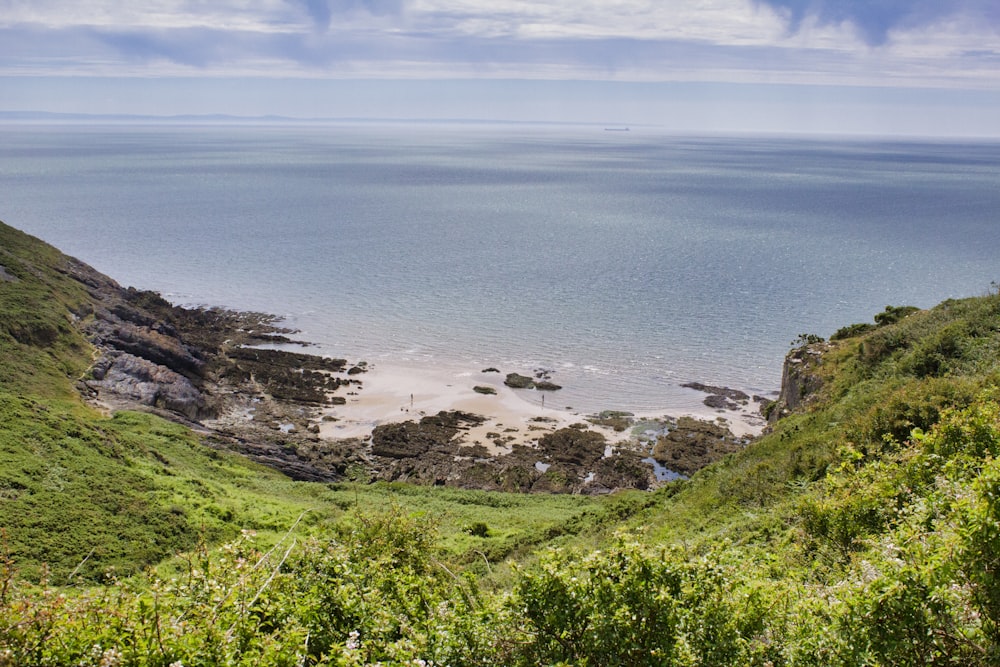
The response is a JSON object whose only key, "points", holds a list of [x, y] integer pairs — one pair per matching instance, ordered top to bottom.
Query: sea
{"points": [[623, 263]]}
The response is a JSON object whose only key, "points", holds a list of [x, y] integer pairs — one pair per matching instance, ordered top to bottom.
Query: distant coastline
{"points": [[49, 117]]}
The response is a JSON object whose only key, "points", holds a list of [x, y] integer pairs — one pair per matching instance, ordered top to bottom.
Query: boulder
{"points": [[517, 381], [414, 439], [692, 444], [573, 446], [624, 470]]}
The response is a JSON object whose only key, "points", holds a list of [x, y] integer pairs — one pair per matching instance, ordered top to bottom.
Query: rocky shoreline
{"points": [[228, 376]]}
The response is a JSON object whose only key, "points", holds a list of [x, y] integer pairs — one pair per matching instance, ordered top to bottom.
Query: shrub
{"points": [[893, 314], [852, 331]]}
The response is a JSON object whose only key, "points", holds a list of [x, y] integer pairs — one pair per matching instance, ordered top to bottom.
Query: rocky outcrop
{"points": [[6, 276], [107, 331], [190, 361], [284, 375], [127, 376], [518, 381], [800, 381], [540, 382], [720, 398], [414, 439], [691, 444], [577, 447], [568, 460], [624, 470]]}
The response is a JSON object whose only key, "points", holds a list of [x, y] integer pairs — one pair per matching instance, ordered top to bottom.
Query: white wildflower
{"points": [[110, 658]]}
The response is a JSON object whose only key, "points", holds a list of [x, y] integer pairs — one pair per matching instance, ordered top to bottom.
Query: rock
{"points": [[6, 276], [109, 332], [355, 370], [490, 370], [290, 376], [134, 378], [799, 380], [516, 381], [545, 385], [479, 389], [732, 394], [720, 403], [619, 421], [414, 439], [692, 444], [573, 446], [477, 451], [624, 470], [557, 479]]}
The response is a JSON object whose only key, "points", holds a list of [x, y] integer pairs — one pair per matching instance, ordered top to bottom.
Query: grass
{"points": [[133, 489], [128, 491]]}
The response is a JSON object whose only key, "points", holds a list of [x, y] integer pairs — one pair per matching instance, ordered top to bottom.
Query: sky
{"points": [[886, 67]]}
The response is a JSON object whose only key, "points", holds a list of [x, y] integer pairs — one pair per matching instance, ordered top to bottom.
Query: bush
{"points": [[893, 314], [852, 331], [631, 607]]}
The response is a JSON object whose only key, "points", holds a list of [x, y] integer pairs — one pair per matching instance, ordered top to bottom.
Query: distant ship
{"points": [[616, 129]]}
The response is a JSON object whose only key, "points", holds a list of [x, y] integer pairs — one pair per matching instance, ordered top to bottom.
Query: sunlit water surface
{"points": [[627, 263]]}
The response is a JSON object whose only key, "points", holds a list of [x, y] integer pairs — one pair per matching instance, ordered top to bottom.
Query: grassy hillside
{"points": [[83, 492], [864, 530]]}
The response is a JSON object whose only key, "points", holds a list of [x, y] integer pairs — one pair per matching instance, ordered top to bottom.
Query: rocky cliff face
{"points": [[190, 363], [800, 381]]}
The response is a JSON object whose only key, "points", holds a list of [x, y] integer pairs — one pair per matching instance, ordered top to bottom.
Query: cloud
{"points": [[321, 12], [875, 19], [933, 42]]}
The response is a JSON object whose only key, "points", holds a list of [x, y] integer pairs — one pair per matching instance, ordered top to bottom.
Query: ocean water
{"points": [[625, 262]]}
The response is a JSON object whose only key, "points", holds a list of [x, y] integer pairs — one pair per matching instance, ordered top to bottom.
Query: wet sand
{"points": [[394, 393]]}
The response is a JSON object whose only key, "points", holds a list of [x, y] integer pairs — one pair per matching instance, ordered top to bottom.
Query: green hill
{"points": [[83, 491], [864, 529]]}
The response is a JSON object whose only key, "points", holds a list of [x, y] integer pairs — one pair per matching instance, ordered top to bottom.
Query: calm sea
{"points": [[626, 262]]}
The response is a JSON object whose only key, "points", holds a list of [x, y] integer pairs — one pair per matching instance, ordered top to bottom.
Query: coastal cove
{"points": [[624, 264], [319, 419]]}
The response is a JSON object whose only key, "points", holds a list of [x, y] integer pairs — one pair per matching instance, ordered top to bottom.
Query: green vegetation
{"points": [[890, 315], [862, 531]]}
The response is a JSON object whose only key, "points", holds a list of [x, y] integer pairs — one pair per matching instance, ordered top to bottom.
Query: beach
{"points": [[392, 393]]}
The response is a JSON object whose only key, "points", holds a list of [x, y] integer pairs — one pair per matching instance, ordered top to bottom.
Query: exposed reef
{"points": [[691, 444], [437, 450]]}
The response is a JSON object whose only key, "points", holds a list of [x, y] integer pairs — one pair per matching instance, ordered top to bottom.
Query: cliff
{"points": [[801, 381]]}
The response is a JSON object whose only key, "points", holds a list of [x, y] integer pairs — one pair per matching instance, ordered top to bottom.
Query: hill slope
{"points": [[82, 491]]}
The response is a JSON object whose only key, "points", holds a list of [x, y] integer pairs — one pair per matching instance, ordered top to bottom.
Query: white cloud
{"points": [[628, 40]]}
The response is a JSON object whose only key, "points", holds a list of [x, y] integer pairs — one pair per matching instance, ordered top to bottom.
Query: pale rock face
{"points": [[128, 376]]}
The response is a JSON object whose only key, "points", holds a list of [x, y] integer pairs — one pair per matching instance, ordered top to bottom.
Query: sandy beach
{"points": [[396, 393]]}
